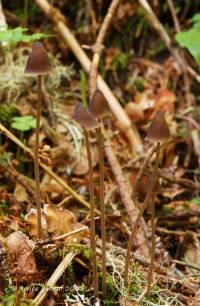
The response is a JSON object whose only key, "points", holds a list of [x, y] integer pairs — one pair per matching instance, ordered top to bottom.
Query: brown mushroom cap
{"points": [[38, 62], [99, 106], [84, 118], [158, 130]]}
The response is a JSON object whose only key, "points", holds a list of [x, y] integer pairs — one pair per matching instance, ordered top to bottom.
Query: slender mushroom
{"points": [[38, 65], [100, 109], [88, 122], [158, 132]]}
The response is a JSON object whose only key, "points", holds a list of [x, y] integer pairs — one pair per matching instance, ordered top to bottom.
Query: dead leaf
{"points": [[165, 101], [134, 111], [80, 167], [52, 189], [172, 192], [20, 193], [31, 219], [57, 221], [61, 221], [191, 247], [21, 260], [195, 301]]}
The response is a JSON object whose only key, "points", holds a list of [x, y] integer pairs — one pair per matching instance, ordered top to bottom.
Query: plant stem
{"points": [[36, 159], [154, 179], [102, 208], [142, 209], [92, 212], [150, 273]]}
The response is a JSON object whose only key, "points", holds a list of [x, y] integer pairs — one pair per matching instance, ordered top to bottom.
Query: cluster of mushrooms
{"points": [[38, 65]]}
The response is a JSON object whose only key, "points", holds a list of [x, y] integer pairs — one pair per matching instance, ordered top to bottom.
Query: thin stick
{"points": [[98, 47], [36, 160], [154, 179], [102, 208], [142, 209], [92, 212], [153, 229], [61, 237], [182, 263]]}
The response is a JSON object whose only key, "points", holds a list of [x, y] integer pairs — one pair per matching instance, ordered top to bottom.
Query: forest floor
{"points": [[145, 76]]}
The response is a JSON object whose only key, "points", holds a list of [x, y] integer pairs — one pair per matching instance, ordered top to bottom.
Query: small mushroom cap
{"points": [[38, 62], [99, 106], [84, 118], [158, 130]]}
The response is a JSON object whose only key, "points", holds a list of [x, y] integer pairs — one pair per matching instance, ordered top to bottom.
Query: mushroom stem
{"points": [[36, 159], [154, 179], [102, 208], [142, 209], [92, 213]]}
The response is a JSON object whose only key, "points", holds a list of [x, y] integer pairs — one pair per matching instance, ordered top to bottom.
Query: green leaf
{"points": [[195, 20], [19, 35], [191, 41], [25, 119], [24, 123], [195, 201]]}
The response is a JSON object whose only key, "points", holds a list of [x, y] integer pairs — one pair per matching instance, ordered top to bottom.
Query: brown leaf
{"points": [[165, 101], [134, 111], [81, 166], [52, 189], [20, 193], [31, 219], [57, 221], [61, 221], [191, 250], [21, 260], [195, 301]]}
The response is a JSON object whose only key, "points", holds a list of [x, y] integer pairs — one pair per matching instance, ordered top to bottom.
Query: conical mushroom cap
{"points": [[38, 62], [98, 105], [84, 118], [158, 130]]}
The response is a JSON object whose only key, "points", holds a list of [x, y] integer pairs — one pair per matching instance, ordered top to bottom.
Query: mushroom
{"points": [[38, 65], [99, 106], [100, 109], [87, 121], [158, 133]]}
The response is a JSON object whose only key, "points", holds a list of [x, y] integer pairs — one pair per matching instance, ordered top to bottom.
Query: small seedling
{"points": [[38, 65], [100, 109], [88, 122], [24, 123], [158, 132]]}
